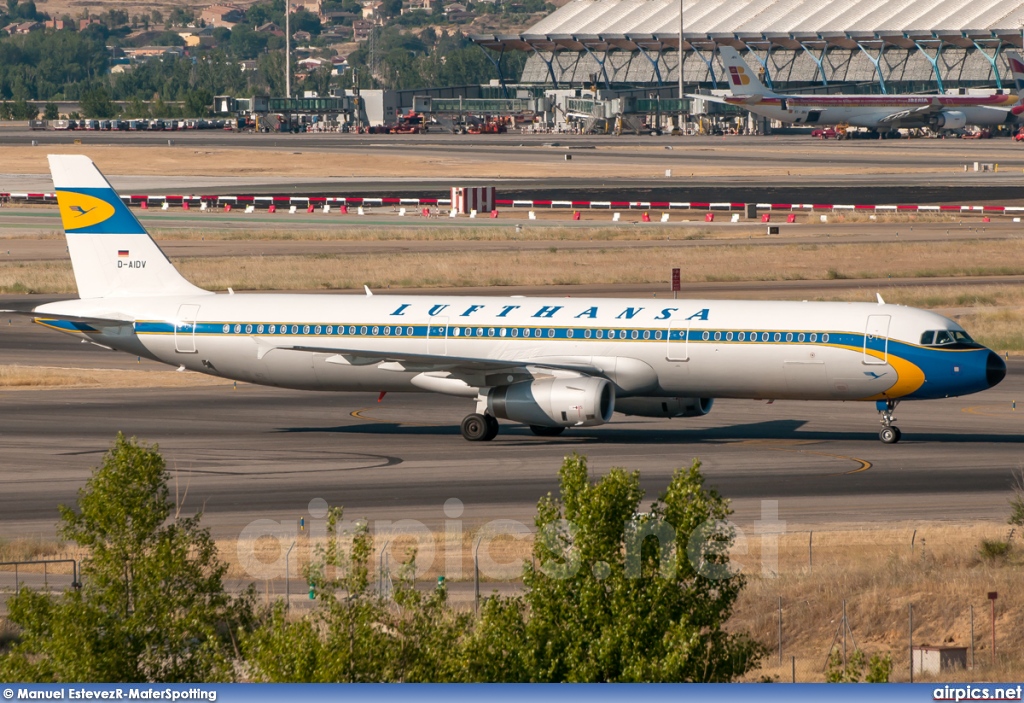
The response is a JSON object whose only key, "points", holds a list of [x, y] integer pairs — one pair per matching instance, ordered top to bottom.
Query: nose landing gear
{"points": [[889, 434]]}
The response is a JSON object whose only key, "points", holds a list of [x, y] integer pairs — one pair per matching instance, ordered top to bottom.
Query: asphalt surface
{"points": [[760, 167]]}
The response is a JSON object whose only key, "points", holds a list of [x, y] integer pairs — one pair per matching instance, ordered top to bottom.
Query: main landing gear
{"points": [[479, 428], [890, 434]]}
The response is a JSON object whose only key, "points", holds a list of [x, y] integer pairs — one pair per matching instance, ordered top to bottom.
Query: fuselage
{"points": [[877, 111], [646, 347]]}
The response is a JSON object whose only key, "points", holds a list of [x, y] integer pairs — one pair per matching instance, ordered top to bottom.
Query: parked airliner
{"points": [[883, 113], [549, 363]]}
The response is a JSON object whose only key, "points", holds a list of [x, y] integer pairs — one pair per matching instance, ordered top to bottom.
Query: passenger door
{"points": [[185, 329], [437, 335], [876, 339], [678, 341]]}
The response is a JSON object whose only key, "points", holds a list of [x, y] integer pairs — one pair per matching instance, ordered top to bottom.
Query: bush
{"points": [[994, 549], [879, 668]]}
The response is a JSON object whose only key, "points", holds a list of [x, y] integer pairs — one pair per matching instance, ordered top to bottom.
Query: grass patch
{"points": [[352, 231], [607, 265], [14, 377], [29, 548]]}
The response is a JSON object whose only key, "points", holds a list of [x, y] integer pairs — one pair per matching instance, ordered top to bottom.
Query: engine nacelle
{"points": [[950, 120], [555, 402], [664, 407]]}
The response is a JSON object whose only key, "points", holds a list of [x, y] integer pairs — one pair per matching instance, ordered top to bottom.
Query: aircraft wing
{"points": [[738, 100], [916, 113], [113, 321], [407, 361]]}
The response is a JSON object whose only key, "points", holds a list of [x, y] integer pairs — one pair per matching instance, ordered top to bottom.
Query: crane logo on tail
{"points": [[80, 210]]}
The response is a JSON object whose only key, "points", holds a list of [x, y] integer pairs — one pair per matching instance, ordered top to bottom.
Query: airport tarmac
{"points": [[742, 169], [260, 453]]}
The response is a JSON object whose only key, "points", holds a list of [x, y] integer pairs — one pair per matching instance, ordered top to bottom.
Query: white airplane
{"points": [[882, 113], [549, 363]]}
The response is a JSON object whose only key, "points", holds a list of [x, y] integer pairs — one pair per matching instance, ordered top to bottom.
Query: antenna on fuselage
{"points": [[879, 296]]}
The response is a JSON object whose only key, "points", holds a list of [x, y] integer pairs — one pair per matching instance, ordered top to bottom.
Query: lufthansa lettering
{"points": [[556, 311]]}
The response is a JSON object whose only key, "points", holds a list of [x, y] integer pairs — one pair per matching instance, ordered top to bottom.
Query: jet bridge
{"points": [[455, 113], [604, 115]]}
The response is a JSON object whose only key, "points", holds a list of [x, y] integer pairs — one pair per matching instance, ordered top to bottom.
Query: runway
{"points": [[258, 453]]}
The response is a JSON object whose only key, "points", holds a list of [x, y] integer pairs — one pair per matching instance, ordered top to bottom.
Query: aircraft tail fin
{"points": [[1017, 69], [742, 80], [111, 252]]}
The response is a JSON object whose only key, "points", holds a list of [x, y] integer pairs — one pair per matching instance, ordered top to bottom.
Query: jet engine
{"points": [[949, 120], [582, 401], [664, 407]]}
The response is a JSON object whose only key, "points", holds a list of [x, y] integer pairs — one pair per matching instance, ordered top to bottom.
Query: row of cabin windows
{"points": [[528, 332], [764, 336]]}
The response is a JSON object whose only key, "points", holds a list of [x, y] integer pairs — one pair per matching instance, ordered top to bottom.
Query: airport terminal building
{"points": [[870, 46]]}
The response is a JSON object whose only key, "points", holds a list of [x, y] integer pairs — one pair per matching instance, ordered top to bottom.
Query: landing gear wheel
{"points": [[492, 427], [475, 428], [542, 431], [890, 435]]}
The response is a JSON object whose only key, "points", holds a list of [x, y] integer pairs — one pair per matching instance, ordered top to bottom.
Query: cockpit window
{"points": [[956, 339]]}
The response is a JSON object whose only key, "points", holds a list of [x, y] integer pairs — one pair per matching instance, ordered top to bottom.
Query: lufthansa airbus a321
{"points": [[549, 363]]}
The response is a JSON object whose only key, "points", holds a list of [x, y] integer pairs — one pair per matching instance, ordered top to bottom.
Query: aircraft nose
{"points": [[995, 369]]}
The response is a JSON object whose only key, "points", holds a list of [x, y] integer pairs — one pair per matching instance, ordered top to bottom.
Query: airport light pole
{"points": [[287, 49], [681, 123]]}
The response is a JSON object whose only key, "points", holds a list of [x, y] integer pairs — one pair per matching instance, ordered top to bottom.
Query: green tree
{"points": [[180, 17], [304, 20], [245, 43], [97, 103], [197, 103], [22, 110], [51, 111], [618, 594], [151, 607], [354, 635], [879, 668]]}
